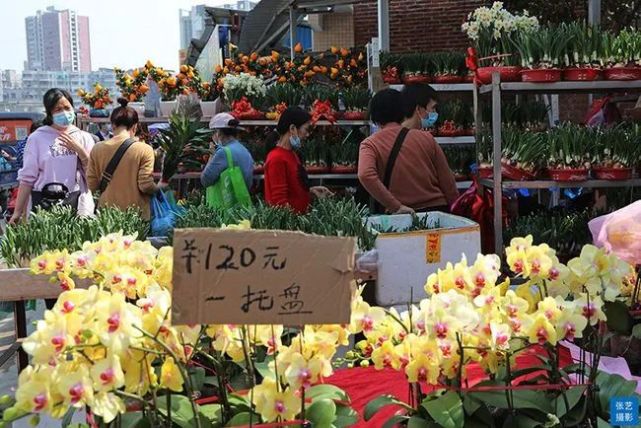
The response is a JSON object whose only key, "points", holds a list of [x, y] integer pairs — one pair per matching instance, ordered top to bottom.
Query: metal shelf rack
{"points": [[495, 90]]}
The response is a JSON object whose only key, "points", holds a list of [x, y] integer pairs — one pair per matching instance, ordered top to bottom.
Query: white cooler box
{"points": [[406, 259]]}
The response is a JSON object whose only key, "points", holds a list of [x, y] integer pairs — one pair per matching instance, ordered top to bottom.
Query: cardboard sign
{"points": [[433, 247], [223, 276]]}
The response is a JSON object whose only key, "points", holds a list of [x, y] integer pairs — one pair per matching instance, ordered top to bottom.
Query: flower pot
{"points": [[507, 73], [622, 73], [581, 74], [541, 75], [469, 78], [410, 79], [448, 79], [139, 106], [167, 107], [208, 108], [98, 112], [353, 115], [469, 132], [315, 169], [343, 169], [486, 172], [603, 173], [516, 174], [572, 174], [460, 177]]}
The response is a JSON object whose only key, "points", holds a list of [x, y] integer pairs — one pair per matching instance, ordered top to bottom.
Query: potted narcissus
{"points": [[491, 32], [583, 52], [541, 53], [623, 55], [448, 67], [391, 68], [416, 68], [244, 93], [280, 96], [356, 100], [323, 101], [568, 148], [522, 152], [615, 152], [484, 166]]}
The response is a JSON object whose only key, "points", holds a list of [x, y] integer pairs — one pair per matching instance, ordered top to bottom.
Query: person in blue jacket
{"points": [[226, 129]]}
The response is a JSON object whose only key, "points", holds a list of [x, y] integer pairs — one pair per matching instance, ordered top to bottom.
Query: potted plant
{"points": [[491, 32], [541, 53], [583, 53], [623, 55], [448, 67], [391, 68], [416, 68], [133, 86], [243, 93], [279, 97], [97, 100], [323, 101], [356, 101], [527, 115], [455, 119], [485, 147], [568, 149], [615, 153], [314, 154], [345, 154], [521, 154], [459, 160]]}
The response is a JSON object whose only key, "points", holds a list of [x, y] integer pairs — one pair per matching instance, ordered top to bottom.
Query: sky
{"points": [[124, 33]]}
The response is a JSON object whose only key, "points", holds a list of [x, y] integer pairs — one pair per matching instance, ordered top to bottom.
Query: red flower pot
{"points": [[507, 73], [622, 73], [581, 74], [541, 75], [469, 78], [416, 79], [448, 79], [353, 115], [448, 132], [469, 132], [314, 169], [343, 169], [486, 172], [603, 173], [516, 174], [574, 174], [460, 177]]}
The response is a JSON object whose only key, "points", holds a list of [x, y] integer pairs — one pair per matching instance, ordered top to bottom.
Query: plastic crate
{"points": [[406, 259]]}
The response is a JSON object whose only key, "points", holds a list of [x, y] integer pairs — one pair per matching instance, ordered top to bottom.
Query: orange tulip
{"points": [[298, 48], [344, 52], [253, 57], [307, 60], [316, 69], [323, 69]]}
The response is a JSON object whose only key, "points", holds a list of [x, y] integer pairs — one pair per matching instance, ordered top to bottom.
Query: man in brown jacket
{"points": [[420, 179]]}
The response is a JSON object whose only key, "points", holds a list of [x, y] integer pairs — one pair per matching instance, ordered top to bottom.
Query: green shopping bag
{"points": [[230, 190]]}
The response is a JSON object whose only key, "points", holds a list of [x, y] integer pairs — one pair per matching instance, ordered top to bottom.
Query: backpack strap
{"points": [[393, 155], [230, 161], [107, 175]]}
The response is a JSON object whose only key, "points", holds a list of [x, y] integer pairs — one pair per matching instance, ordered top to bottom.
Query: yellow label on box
{"points": [[433, 248]]}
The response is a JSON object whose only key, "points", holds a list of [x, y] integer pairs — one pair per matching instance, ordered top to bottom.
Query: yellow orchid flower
{"points": [[541, 330], [385, 356], [423, 369], [107, 374], [170, 376], [273, 404], [107, 405]]}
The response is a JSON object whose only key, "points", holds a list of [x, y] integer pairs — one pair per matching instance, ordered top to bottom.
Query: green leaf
{"points": [[618, 317], [636, 331], [263, 368], [197, 375], [610, 386], [326, 391], [573, 395], [523, 399], [239, 403], [377, 404], [470, 405], [446, 410], [211, 412], [182, 413], [321, 413], [345, 417], [483, 417], [242, 419], [66, 420], [134, 420], [394, 421], [418, 422], [603, 424]]}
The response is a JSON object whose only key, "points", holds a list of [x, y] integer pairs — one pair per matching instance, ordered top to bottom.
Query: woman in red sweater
{"points": [[286, 182]]}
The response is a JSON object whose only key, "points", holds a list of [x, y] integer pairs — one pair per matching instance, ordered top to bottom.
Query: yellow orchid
{"points": [[551, 308], [591, 308], [364, 317], [115, 321], [572, 322], [540, 330], [385, 356], [423, 369], [302, 373], [107, 374], [170, 376], [74, 384], [34, 394], [273, 404], [107, 405]]}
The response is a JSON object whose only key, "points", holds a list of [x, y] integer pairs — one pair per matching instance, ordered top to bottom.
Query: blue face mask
{"points": [[64, 118], [430, 120], [294, 140]]}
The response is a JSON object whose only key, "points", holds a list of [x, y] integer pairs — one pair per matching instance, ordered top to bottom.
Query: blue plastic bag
{"points": [[163, 216]]}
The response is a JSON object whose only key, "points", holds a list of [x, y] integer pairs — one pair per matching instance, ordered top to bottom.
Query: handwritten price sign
{"points": [[261, 277]]}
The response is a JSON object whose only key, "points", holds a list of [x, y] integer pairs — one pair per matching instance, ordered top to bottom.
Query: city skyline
{"points": [[122, 33]]}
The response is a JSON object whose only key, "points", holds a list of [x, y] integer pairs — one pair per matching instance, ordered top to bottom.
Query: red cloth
{"points": [[284, 184], [365, 384]]}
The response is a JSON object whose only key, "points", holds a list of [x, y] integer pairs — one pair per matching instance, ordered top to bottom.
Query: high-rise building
{"points": [[58, 40]]}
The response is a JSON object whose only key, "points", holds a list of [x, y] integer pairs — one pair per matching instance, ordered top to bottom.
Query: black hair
{"points": [[414, 96], [50, 99], [384, 107], [123, 115], [291, 116], [35, 125], [229, 132]]}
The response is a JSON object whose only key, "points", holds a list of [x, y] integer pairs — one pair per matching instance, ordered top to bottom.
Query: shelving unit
{"points": [[439, 87], [147, 120], [497, 184]]}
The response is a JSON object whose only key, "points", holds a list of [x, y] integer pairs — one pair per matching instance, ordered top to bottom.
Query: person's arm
{"points": [[216, 165], [368, 176], [93, 180], [446, 180], [146, 182], [279, 188]]}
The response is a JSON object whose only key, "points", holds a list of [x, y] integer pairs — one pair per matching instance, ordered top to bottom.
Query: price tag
{"points": [[433, 248], [224, 276]]}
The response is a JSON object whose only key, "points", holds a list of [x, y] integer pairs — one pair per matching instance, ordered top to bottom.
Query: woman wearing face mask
{"points": [[226, 129], [55, 153], [401, 166], [286, 182], [130, 183]]}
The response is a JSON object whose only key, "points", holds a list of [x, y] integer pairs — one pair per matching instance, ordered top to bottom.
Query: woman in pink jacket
{"points": [[55, 153]]}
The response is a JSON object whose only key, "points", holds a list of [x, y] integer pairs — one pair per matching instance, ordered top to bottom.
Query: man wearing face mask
{"points": [[226, 129], [402, 166], [121, 168]]}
